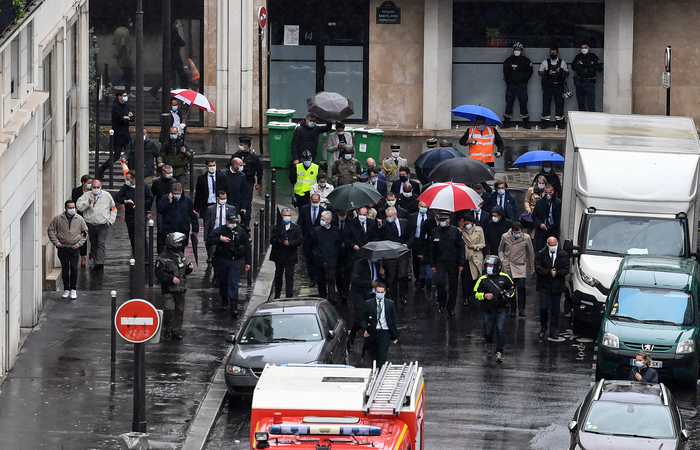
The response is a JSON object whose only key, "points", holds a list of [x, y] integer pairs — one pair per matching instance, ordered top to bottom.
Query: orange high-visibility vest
{"points": [[482, 150]]}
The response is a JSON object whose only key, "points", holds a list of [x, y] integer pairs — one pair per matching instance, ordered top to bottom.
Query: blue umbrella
{"points": [[471, 112], [537, 157], [428, 160]]}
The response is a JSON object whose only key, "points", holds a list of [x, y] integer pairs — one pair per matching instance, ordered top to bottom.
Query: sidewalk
{"points": [[63, 392]]}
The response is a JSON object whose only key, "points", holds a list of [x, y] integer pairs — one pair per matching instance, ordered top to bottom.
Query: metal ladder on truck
{"points": [[386, 393]]}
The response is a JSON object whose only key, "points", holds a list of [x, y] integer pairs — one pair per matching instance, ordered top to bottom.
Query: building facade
{"points": [[44, 131]]}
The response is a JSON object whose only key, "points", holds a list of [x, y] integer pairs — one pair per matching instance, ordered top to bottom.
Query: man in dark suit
{"points": [[404, 176], [232, 180], [376, 182], [205, 189], [501, 197], [408, 200], [390, 201], [214, 217], [546, 217], [309, 218], [420, 224], [396, 230], [360, 231], [285, 240], [327, 241], [552, 267], [344, 269], [366, 276], [379, 324]]}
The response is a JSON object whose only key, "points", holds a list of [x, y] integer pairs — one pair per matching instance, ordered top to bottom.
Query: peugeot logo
{"points": [[647, 347]]}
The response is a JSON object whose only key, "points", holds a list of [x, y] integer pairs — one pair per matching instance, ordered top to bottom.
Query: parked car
{"points": [[652, 307], [291, 331], [619, 415]]}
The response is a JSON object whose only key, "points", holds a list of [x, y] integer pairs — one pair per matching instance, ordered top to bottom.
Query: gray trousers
{"points": [[98, 237]]}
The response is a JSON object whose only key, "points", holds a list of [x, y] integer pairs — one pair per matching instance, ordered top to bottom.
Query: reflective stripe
{"points": [[482, 149], [305, 178]]}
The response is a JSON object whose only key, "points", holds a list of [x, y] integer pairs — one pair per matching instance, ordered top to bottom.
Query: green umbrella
{"points": [[353, 196]]}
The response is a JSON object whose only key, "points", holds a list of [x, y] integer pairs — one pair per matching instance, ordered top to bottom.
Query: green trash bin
{"points": [[279, 115], [280, 134], [368, 143]]}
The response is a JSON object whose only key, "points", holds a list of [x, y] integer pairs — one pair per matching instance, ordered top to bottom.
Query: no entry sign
{"points": [[262, 17], [137, 321]]}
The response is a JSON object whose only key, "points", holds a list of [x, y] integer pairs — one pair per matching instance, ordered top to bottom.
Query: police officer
{"points": [[585, 66], [517, 70], [553, 72], [392, 164], [252, 169], [347, 169], [303, 176], [232, 246], [446, 259], [171, 271], [493, 290]]}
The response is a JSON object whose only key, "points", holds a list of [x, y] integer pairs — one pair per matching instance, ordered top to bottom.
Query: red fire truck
{"points": [[330, 407]]}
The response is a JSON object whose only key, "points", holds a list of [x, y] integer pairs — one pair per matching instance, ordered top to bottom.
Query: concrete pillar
{"points": [[234, 34], [222, 62], [437, 65], [617, 76]]}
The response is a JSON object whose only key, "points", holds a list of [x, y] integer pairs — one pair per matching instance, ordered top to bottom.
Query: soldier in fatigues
{"points": [[252, 169], [347, 169], [171, 271]]}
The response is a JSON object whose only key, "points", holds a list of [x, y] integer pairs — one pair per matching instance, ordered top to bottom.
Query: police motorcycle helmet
{"points": [[567, 93], [306, 154], [176, 240], [495, 261]]}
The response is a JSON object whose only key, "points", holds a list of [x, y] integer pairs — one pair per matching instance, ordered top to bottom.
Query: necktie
{"points": [[213, 184], [500, 201], [222, 216], [313, 216], [342, 225], [364, 226], [551, 255], [379, 315]]}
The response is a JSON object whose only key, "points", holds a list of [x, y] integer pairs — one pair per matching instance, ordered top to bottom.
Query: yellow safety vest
{"points": [[482, 150], [305, 178]]}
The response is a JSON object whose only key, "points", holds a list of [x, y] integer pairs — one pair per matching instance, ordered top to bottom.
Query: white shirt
{"points": [[544, 67], [176, 122], [211, 181], [220, 215], [419, 223], [381, 320]]}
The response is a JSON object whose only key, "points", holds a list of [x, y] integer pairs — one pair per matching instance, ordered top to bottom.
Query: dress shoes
{"points": [[440, 309], [451, 312], [177, 336]]}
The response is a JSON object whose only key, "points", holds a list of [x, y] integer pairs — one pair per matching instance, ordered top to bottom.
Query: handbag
{"points": [[526, 217]]}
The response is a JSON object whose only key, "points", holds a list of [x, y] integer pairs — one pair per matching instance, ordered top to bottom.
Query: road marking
{"points": [[137, 321]]}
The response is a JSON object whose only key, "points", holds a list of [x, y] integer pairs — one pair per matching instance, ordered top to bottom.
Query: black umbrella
{"points": [[330, 106], [428, 160], [461, 170], [352, 196], [195, 244], [377, 250]]}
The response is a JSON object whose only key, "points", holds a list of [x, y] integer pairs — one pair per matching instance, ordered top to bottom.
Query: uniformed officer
{"points": [[585, 66], [517, 70], [553, 72], [481, 139], [392, 164], [347, 169], [303, 176], [232, 246], [446, 259], [171, 271]]}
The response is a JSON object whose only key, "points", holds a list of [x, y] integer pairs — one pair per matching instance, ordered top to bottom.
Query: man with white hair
{"points": [[326, 241]]}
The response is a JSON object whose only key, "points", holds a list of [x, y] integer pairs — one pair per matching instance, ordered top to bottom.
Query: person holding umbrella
{"points": [[305, 138], [481, 139], [394, 229], [446, 259]]}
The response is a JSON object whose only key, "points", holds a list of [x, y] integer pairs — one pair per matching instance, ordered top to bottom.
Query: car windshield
{"points": [[635, 236], [653, 305], [281, 328], [624, 419]]}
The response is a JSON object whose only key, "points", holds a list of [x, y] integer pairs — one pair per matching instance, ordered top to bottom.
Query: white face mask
{"points": [[584, 51], [517, 52], [480, 127], [340, 133], [145, 137], [241, 148], [395, 155], [211, 169], [546, 169], [168, 175], [540, 186], [408, 194], [222, 201], [391, 202], [315, 205], [362, 217], [552, 248]]}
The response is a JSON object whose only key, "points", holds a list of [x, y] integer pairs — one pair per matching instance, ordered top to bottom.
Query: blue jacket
{"points": [[510, 205], [178, 215]]}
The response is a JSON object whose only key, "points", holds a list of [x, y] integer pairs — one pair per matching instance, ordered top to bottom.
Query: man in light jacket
{"points": [[336, 141], [100, 212], [68, 232], [516, 253]]}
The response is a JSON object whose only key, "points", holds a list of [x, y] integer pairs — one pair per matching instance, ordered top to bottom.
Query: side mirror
{"points": [[569, 246], [330, 335], [231, 339], [573, 426], [685, 435]]}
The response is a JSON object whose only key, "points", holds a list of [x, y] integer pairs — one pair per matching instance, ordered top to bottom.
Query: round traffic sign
{"points": [[262, 16], [137, 321]]}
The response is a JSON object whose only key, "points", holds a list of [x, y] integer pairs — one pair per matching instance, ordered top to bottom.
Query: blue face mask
{"points": [[125, 98], [174, 108], [312, 124], [173, 136], [348, 156], [307, 164], [128, 183], [322, 184], [88, 186], [501, 192], [177, 196], [423, 210], [286, 219], [390, 219], [495, 219], [323, 223], [443, 224], [469, 226], [517, 235], [489, 270], [380, 296], [639, 364]]}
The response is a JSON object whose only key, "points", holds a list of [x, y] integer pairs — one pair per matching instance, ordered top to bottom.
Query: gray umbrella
{"points": [[330, 106], [377, 250]]}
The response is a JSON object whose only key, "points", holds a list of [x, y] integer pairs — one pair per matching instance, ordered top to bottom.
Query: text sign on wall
{"points": [[388, 14]]}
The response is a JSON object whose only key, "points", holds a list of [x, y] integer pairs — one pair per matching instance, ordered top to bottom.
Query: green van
{"points": [[652, 306]]}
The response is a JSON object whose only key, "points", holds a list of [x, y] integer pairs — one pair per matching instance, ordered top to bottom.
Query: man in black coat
{"points": [[517, 70], [121, 119], [306, 138], [150, 153], [252, 169], [404, 177], [232, 180], [375, 181], [161, 187], [205, 189], [127, 196], [501, 197], [408, 200], [391, 201], [177, 211], [214, 217], [546, 217], [309, 218], [421, 225], [495, 229], [396, 230], [360, 231], [285, 240], [327, 242], [447, 259], [552, 267], [344, 270], [366, 276], [380, 325]]}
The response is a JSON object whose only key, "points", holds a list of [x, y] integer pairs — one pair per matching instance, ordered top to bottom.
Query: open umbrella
{"points": [[193, 98], [330, 106], [471, 112], [537, 157], [428, 160], [461, 170], [352, 196], [450, 197], [377, 250]]}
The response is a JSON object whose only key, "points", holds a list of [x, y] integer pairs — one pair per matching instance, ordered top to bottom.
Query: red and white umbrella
{"points": [[193, 98], [450, 197]]}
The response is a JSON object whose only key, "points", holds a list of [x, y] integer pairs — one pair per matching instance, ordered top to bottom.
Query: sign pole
{"points": [[262, 21], [667, 69], [139, 423]]}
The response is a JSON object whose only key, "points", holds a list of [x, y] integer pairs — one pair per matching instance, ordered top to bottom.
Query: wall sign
{"points": [[388, 14]]}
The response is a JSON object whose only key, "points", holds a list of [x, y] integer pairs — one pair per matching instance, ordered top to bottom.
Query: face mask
{"points": [[584, 51], [517, 52], [553, 56], [125, 98], [174, 108], [312, 124], [480, 127], [340, 133], [173, 136], [145, 137], [241, 148], [395, 155], [348, 156], [307, 164], [240, 168], [211, 169], [546, 169], [168, 175], [403, 178], [373, 180], [128, 183], [322, 185], [88, 186], [540, 186], [96, 191], [501, 192], [408, 194], [177, 196], [547, 196], [222, 201], [391, 202], [316, 205], [478, 209], [423, 210], [70, 212], [342, 217], [362, 218], [286, 219], [390, 219], [495, 219], [322, 223], [443, 224], [231, 226], [469, 226], [517, 235], [552, 248], [489, 270], [380, 296], [639, 364]]}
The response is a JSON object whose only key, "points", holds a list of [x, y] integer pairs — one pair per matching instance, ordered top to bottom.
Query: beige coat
{"points": [[531, 198], [67, 234], [475, 237], [515, 253]]}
